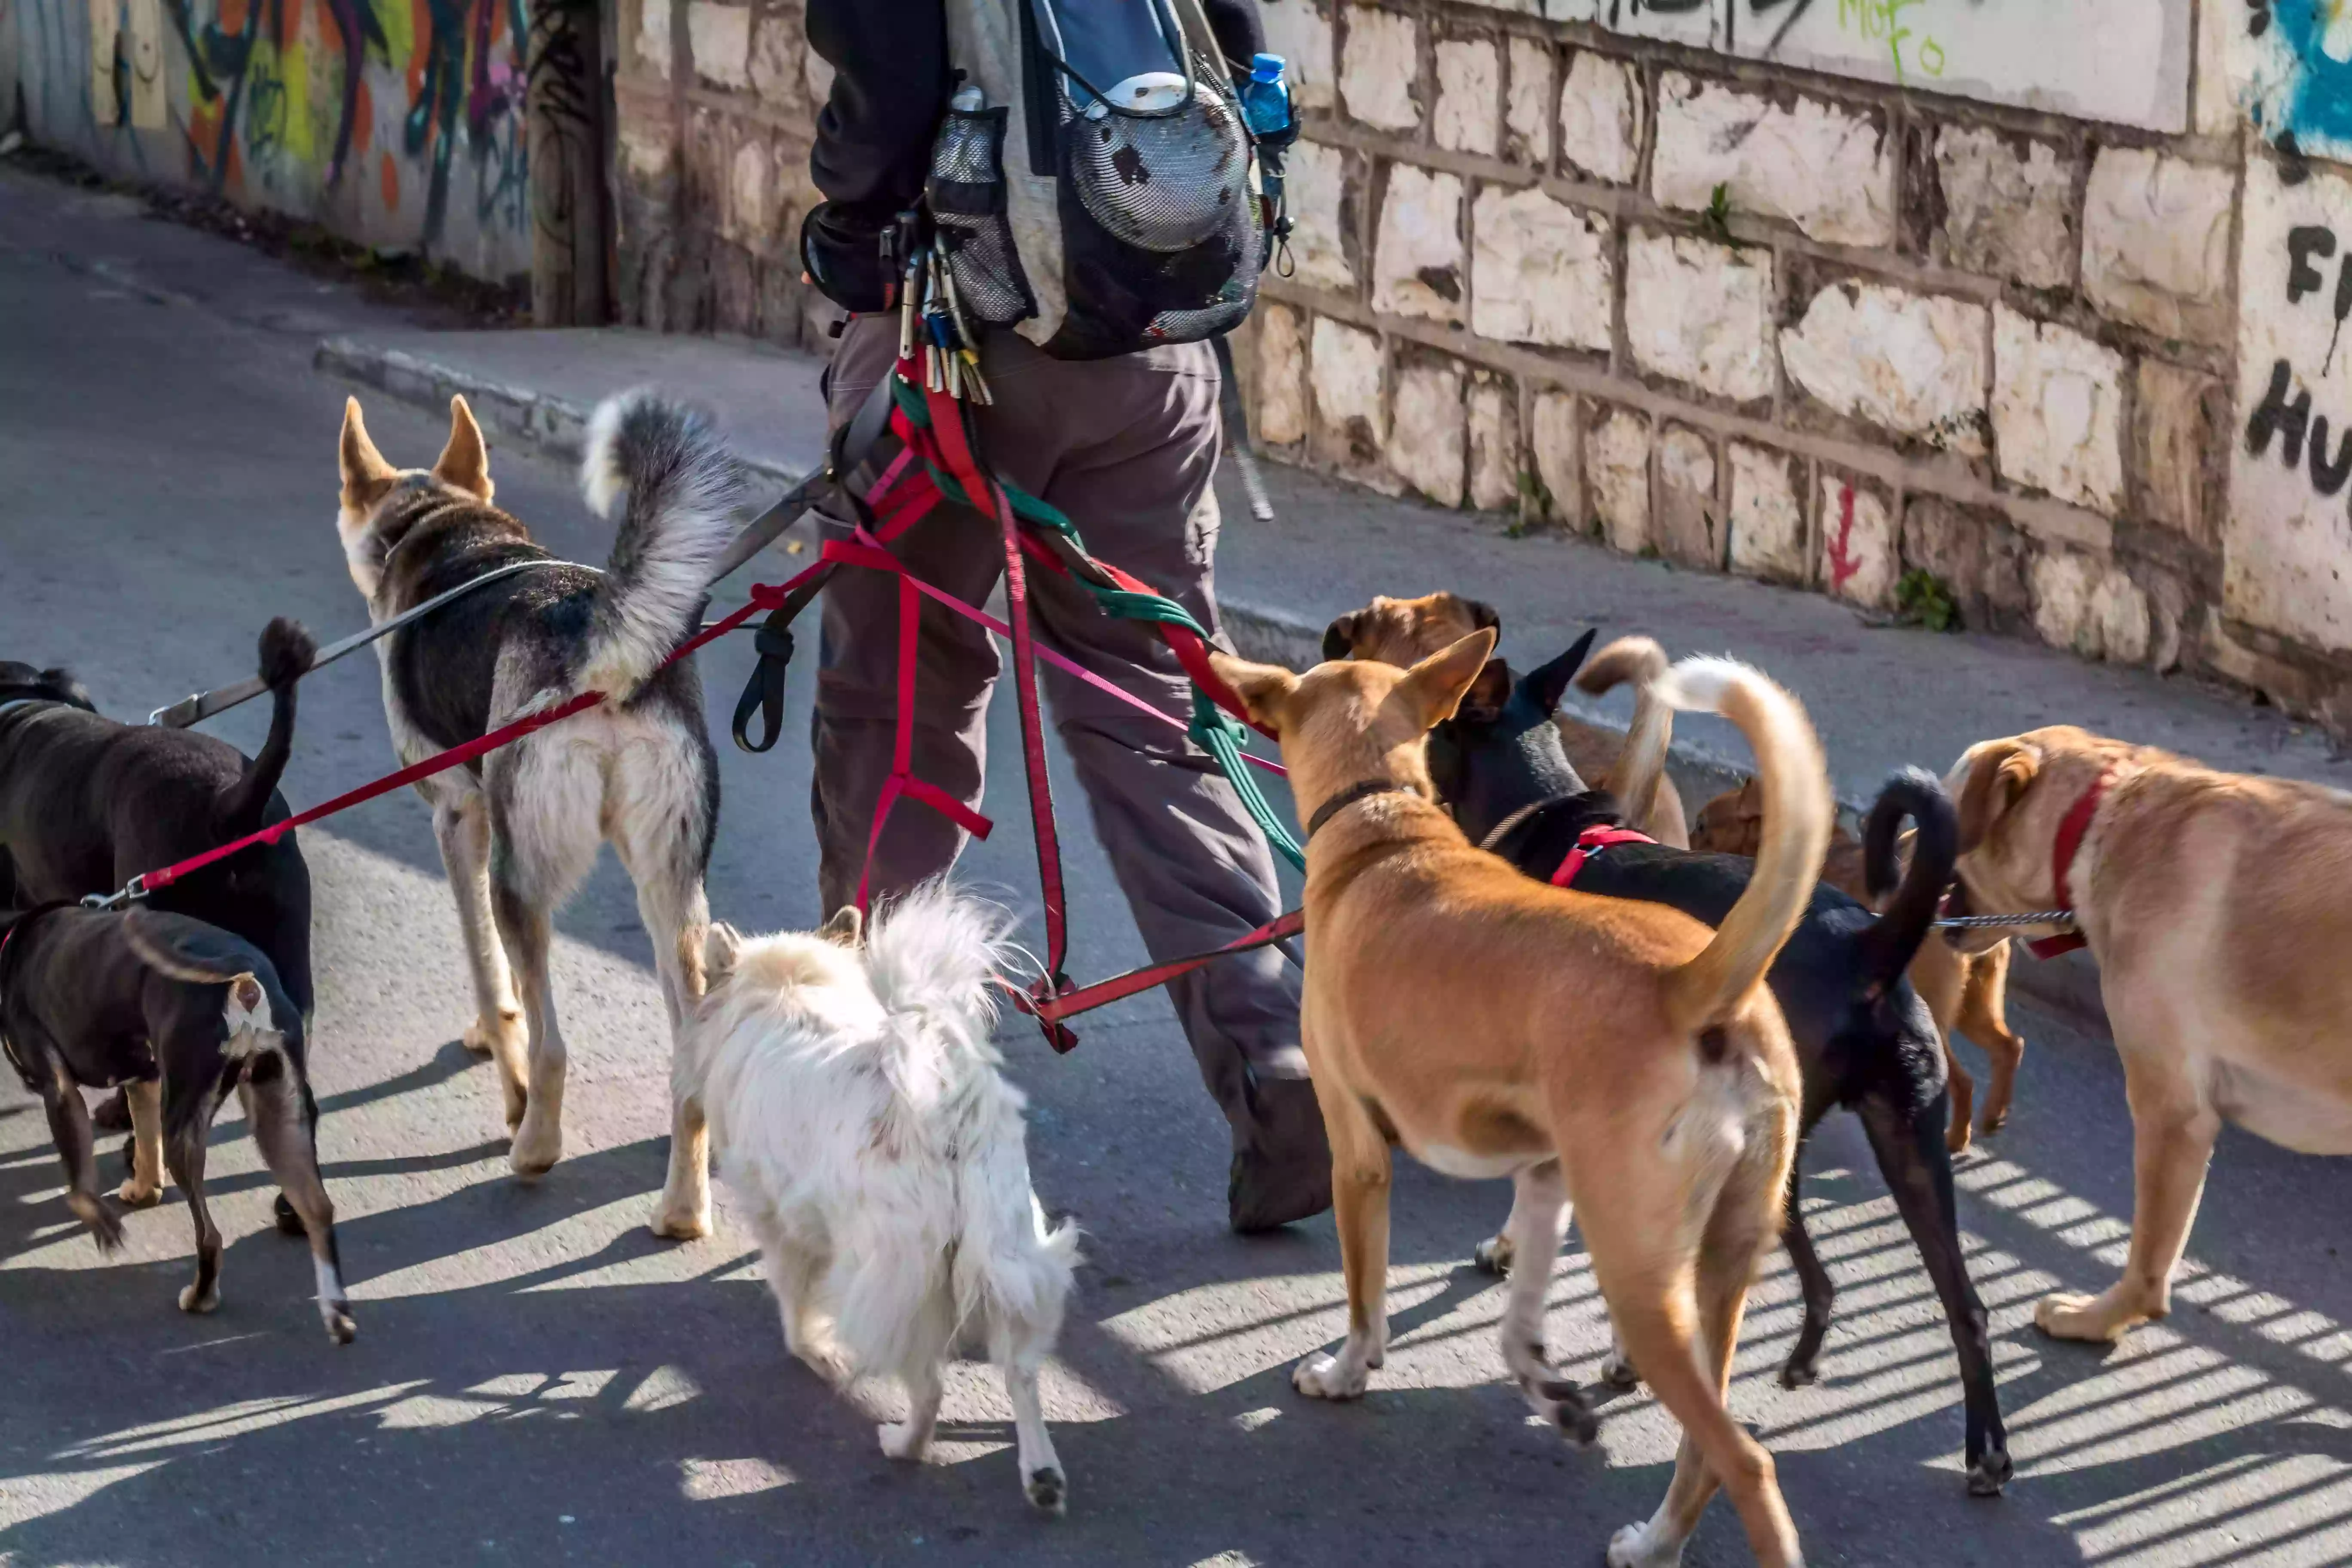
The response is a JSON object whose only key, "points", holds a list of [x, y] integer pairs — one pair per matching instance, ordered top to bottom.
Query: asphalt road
{"points": [[539, 1380]]}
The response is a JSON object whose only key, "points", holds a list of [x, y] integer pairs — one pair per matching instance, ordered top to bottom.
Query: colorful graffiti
{"points": [[2294, 74], [398, 123]]}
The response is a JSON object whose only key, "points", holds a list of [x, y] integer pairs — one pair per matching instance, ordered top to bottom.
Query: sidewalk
{"points": [[1881, 697]]}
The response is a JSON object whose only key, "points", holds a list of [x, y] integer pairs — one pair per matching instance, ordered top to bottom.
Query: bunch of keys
{"points": [[930, 315]]}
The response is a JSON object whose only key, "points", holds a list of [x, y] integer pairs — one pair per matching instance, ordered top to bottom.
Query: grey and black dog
{"points": [[88, 803], [520, 829], [179, 1013]]}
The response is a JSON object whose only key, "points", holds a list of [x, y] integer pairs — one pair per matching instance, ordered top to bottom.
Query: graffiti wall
{"points": [[2123, 61], [396, 123]]}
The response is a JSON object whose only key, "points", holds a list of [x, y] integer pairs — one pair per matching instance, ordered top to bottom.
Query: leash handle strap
{"points": [[1591, 842], [1050, 1007]]}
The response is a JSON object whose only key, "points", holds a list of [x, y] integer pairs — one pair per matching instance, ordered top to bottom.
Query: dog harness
{"points": [[2070, 832], [1591, 842]]}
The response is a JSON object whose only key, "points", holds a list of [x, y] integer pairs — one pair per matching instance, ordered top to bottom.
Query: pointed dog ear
{"points": [[466, 461], [366, 476], [1339, 637], [1549, 684], [1434, 687], [1264, 688], [1483, 705], [2000, 772], [847, 927], [721, 946]]}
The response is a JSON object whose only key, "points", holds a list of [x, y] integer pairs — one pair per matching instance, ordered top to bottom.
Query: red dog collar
{"points": [[2071, 831], [1590, 842]]}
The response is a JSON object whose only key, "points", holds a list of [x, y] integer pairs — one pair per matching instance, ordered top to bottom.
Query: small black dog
{"points": [[86, 804], [179, 1013], [1865, 1040]]}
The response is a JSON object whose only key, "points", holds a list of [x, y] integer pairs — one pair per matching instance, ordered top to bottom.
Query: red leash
{"points": [[762, 598], [1591, 842], [1051, 1008]]}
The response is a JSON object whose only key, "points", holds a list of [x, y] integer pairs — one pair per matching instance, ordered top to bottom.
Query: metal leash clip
{"points": [[130, 893]]}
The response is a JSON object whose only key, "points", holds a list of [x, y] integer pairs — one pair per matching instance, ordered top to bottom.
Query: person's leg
{"points": [[1139, 447], [854, 724]]}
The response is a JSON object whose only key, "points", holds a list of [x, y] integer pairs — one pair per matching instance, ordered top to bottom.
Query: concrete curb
{"points": [[554, 425], [2068, 985]]}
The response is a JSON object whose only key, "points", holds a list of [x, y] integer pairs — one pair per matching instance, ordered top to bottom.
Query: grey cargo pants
{"points": [[1126, 448]]}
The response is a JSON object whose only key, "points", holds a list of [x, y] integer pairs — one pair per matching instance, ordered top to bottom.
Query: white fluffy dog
{"points": [[856, 1111]]}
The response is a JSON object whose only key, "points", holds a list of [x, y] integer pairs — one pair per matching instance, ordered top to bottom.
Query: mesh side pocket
{"points": [[1162, 185], [965, 194]]}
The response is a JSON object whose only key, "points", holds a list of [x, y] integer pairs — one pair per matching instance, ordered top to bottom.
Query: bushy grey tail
{"points": [[659, 469]]}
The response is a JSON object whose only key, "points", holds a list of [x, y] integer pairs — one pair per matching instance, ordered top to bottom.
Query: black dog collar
{"points": [[1350, 797]]}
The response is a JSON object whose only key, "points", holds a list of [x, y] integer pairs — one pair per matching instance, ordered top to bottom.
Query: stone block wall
{"points": [[715, 106], [1811, 329]]}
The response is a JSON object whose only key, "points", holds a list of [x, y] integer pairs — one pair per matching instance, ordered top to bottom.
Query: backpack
{"points": [[1091, 186]]}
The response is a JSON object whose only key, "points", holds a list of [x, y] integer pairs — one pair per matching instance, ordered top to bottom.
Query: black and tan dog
{"points": [[87, 804], [179, 1013], [1863, 1038]]}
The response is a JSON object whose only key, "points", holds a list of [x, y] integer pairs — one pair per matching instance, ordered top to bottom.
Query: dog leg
{"points": [[461, 822], [677, 917], [524, 927], [1984, 1019], [1962, 1090], [69, 1128], [2173, 1129], [285, 1130], [186, 1155], [1919, 1173], [145, 1184], [1360, 1198], [1539, 1220], [794, 1272], [1019, 1348], [1804, 1366], [911, 1439]]}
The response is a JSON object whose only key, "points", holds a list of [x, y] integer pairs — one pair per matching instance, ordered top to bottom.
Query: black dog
{"points": [[86, 804], [179, 1013], [1863, 1038]]}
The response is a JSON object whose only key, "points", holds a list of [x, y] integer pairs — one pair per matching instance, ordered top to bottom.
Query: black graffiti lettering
{"points": [[2302, 276], [2289, 420], [2328, 478]]}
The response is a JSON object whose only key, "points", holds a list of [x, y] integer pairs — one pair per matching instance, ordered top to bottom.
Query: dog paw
{"points": [[112, 1114], [1956, 1141], [538, 1145], [130, 1194], [288, 1222], [681, 1223], [105, 1227], [1493, 1256], [190, 1301], [2072, 1317], [339, 1326], [827, 1360], [1618, 1372], [1800, 1373], [1329, 1377], [1563, 1404], [904, 1440], [1989, 1474], [1048, 1492], [1630, 1548]]}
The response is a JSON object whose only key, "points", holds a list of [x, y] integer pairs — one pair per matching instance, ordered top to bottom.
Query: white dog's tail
{"points": [[662, 468]]}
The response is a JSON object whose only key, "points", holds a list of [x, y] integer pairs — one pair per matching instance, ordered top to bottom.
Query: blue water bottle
{"points": [[1266, 100]]}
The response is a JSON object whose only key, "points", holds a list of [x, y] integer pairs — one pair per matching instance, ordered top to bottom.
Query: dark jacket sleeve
{"points": [[1239, 32], [874, 135]]}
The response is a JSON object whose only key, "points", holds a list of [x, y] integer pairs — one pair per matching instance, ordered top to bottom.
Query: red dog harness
{"points": [[2071, 832], [1591, 842]]}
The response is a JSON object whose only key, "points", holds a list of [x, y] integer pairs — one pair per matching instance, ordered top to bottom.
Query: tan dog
{"points": [[1399, 631], [2216, 906], [1966, 991], [1613, 1054]]}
